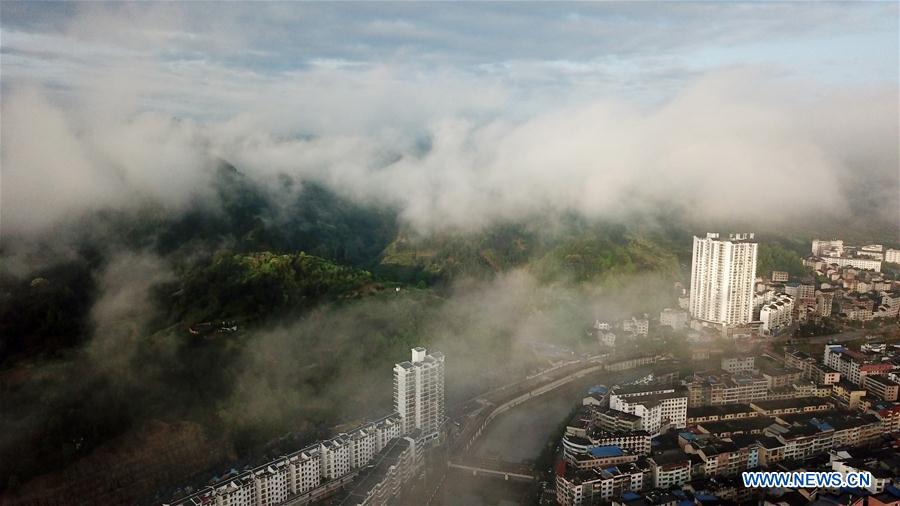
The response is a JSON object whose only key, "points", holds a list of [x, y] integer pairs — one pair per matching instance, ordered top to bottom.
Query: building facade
{"points": [[822, 247], [892, 256], [868, 264], [722, 279], [777, 315], [675, 318], [852, 365], [419, 393], [655, 406], [321, 470]]}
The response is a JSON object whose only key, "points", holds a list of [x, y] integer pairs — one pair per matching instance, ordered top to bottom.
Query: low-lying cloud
{"points": [[734, 145]]}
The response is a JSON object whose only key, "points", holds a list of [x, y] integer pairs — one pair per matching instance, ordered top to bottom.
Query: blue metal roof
{"points": [[607, 451]]}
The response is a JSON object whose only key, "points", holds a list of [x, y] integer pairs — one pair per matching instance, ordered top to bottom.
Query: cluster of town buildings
{"points": [[868, 257], [850, 281], [728, 295], [696, 434], [688, 437], [366, 466]]}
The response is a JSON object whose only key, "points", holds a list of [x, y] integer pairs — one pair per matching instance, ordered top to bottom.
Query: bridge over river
{"points": [[501, 436], [496, 468]]}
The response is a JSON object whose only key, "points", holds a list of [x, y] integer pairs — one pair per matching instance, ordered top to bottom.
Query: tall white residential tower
{"points": [[722, 278], [419, 392]]}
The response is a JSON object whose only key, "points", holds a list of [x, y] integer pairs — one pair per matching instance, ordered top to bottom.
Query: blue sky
{"points": [[533, 51], [526, 106]]}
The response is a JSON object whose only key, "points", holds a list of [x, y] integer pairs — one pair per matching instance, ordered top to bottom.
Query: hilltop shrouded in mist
{"points": [[460, 138], [718, 147], [342, 182]]}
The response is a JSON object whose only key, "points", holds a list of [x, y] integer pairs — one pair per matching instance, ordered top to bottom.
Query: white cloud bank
{"points": [[110, 105], [730, 144]]}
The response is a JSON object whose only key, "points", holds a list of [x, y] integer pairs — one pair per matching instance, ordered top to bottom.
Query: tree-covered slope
{"points": [[572, 252], [772, 256], [600, 259], [255, 285]]}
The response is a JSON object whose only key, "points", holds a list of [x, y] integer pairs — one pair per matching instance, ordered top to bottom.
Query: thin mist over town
{"points": [[367, 253]]}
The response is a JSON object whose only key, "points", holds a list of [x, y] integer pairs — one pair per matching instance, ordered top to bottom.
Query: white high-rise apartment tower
{"points": [[722, 278], [419, 392]]}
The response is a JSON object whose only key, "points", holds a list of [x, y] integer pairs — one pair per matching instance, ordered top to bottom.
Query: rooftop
{"points": [[607, 451]]}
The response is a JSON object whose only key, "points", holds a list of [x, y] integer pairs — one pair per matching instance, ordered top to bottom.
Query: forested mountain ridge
{"points": [[362, 285]]}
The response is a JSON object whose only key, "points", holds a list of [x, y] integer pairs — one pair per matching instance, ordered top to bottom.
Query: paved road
{"points": [[841, 337]]}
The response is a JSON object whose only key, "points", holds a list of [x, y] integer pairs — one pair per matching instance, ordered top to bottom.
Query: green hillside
{"points": [[580, 254], [600, 259], [254, 285]]}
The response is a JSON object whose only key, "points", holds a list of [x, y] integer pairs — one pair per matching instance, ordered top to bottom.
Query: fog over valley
{"points": [[222, 224]]}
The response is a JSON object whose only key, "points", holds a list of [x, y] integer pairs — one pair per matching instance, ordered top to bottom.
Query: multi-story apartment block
{"points": [[833, 247], [871, 251], [892, 256], [869, 264], [779, 276], [722, 278], [882, 285], [806, 292], [802, 294], [760, 299], [824, 301], [889, 306], [857, 312], [776, 315], [675, 318], [602, 325], [636, 326], [797, 359], [734, 364], [852, 365], [821, 374], [779, 377], [881, 387], [723, 388], [419, 393], [654, 405], [792, 406], [702, 414], [889, 416], [613, 420], [858, 430], [819, 433], [803, 441], [637, 442], [363, 446], [771, 451], [337, 457], [602, 457], [725, 458], [306, 469], [319, 470], [670, 470], [303, 472], [880, 480], [380, 483], [272, 484], [599, 485]]}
